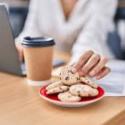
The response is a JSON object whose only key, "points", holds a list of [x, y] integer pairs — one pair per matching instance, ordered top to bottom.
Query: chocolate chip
{"points": [[71, 71], [67, 78], [78, 78], [78, 93]]}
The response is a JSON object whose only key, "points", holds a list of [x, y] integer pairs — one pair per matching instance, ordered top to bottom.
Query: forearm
{"points": [[94, 34]]}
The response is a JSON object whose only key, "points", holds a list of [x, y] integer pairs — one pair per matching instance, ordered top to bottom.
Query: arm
{"points": [[31, 26], [30, 29], [94, 33]]}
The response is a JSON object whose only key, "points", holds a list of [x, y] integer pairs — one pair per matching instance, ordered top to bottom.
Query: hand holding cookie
{"points": [[92, 64]]}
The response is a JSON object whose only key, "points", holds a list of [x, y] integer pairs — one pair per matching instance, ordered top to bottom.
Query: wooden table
{"points": [[20, 104]]}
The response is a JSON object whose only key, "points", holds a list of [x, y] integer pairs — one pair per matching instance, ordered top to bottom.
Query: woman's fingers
{"points": [[83, 59], [93, 61], [92, 64], [101, 64], [81, 73], [103, 73]]}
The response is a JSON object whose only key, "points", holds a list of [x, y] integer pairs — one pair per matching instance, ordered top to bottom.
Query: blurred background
{"points": [[19, 8]]}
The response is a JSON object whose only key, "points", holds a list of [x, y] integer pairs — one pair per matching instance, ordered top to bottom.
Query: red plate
{"points": [[84, 101]]}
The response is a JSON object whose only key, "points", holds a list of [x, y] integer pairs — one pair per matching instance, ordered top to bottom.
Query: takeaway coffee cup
{"points": [[38, 54]]}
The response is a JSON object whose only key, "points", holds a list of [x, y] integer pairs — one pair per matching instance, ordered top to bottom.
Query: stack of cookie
{"points": [[72, 87]]}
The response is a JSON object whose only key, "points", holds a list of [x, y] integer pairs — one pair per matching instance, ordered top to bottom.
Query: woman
{"points": [[79, 25]]}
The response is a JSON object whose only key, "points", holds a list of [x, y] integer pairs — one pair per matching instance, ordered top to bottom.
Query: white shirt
{"points": [[86, 27]]}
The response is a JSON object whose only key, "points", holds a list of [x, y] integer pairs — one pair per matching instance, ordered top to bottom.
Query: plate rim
{"points": [[71, 103]]}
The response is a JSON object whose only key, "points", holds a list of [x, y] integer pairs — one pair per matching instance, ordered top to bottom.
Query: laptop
{"points": [[9, 60]]}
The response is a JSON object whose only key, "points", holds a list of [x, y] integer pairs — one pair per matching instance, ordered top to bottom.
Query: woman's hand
{"points": [[20, 51], [92, 64]]}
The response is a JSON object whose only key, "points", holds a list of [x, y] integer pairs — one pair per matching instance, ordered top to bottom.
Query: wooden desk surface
{"points": [[21, 104]]}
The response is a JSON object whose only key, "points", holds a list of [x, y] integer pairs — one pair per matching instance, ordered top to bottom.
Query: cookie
{"points": [[68, 77], [85, 80], [54, 85], [58, 89], [83, 90], [94, 92], [68, 97]]}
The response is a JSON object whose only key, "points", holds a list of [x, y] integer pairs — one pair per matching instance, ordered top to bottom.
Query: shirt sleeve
{"points": [[31, 27], [96, 28]]}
